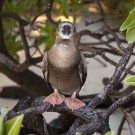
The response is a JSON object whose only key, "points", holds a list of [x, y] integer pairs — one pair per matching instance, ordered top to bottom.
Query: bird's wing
{"points": [[45, 68], [82, 69]]}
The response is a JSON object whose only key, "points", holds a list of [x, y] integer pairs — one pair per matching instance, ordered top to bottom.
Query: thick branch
{"points": [[48, 13], [14, 16], [18, 67], [114, 79], [28, 80], [14, 92], [120, 102], [38, 107], [97, 121]]}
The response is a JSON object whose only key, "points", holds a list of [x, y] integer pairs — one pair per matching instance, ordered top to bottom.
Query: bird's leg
{"points": [[55, 99], [74, 103]]}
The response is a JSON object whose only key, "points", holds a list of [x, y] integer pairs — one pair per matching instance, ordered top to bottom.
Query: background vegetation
{"points": [[18, 20]]}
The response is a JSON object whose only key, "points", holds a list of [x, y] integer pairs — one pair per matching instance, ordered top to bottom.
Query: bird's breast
{"points": [[64, 57], [63, 65]]}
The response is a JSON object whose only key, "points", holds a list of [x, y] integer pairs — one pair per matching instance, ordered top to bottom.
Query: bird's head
{"points": [[66, 30]]}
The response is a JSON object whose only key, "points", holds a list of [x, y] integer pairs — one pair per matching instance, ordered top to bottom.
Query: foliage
{"points": [[60, 7], [119, 9], [28, 10], [129, 25], [47, 35], [13, 45], [130, 80], [10, 127], [77, 133], [110, 133]]}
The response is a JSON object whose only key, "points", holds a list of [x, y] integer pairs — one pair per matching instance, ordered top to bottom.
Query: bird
{"points": [[64, 68]]}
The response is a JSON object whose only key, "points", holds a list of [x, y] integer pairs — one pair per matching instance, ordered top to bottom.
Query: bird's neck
{"points": [[59, 37], [65, 42]]}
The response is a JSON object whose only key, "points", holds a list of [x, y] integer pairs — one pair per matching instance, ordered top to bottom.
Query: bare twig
{"points": [[47, 11], [101, 11], [94, 21], [98, 37], [25, 43], [100, 43], [36, 47], [112, 48], [100, 51], [100, 61], [118, 71], [125, 74], [119, 103], [123, 121], [131, 122], [121, 125]]}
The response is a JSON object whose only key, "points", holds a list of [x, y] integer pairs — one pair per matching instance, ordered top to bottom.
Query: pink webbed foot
{"points": [[55, 99], [74, 103]]}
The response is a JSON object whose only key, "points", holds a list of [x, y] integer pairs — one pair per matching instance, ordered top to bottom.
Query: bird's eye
{"points": [[60, 27], [72, 28]]}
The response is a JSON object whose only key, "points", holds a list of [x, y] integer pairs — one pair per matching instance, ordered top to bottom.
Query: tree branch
{"points": [[47, 11], [101, 11], [25, 43], [114, 79], [120, 102], [97, 121]]}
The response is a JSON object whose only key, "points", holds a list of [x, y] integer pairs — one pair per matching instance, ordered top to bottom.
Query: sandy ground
{"points": [[96, 72]]}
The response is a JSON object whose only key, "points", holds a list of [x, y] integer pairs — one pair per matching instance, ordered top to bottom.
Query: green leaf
{"points": [[64, 9], [132, 10], [127, 22], [131, 24], [130, 36], [41, 40], [49, 42], [12, 45], [130, 80], [4, 112], [1, 125], [12, 127], [77, 133], [110, 133]]}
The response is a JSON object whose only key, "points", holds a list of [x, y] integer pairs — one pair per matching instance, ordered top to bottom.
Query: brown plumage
{"points": [[64, 67]]}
